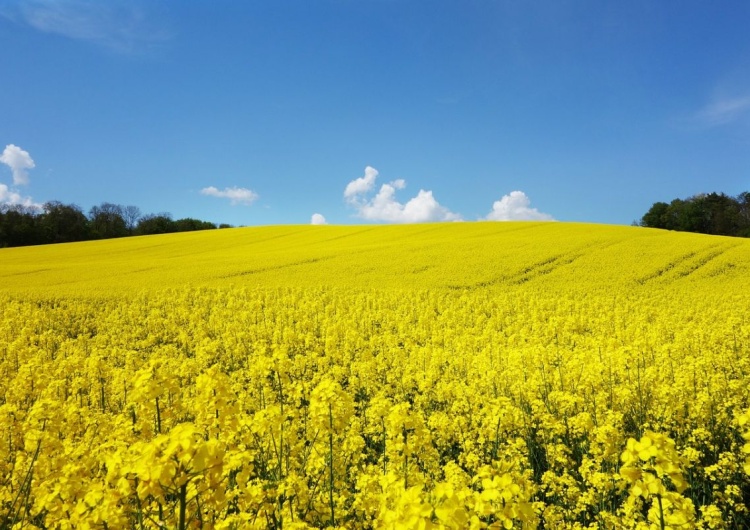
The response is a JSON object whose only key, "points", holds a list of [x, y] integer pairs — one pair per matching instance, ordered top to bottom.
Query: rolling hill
{"points": [[452, 255]]}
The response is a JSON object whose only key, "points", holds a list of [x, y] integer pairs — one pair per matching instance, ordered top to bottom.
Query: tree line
{"points": [[706, 213], [56, 222]]}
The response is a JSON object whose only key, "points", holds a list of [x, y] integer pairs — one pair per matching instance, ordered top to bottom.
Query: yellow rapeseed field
{"points": [[461, 375]]}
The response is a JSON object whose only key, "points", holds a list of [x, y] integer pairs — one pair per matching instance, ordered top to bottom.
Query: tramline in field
{"points": [[462, 375]]}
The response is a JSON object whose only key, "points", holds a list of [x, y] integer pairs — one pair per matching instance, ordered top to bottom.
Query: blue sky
{"points": [[360, 111]]}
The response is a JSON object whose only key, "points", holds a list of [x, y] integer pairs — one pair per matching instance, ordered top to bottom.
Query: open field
{"points": [[456, 256], [462, 375]]}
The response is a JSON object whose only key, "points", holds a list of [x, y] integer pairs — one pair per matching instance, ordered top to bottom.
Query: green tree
{"points": [[706, 213], [131, 215], [656, 216], [107, 221], [62, 223], [155, 224], [189, 225], [20, 226]]}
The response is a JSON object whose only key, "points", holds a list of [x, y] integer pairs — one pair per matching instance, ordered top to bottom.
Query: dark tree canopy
{"points": [[707, 213], [131, 215], [108, 221], [56, 222], [63, 223], [155, 224], [19, 226]]}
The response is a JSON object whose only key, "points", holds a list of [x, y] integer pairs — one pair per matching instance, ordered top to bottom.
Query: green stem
{"points": [[158, 417], [385, 439], [406, 459], [330, 464], [24, 490], [139, 505], [183, 505], [661, 513]]}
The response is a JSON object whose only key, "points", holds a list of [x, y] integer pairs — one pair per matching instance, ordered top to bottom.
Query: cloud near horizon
{"points": [[19, 162], [235, 195], [13, 198], [383, 206], [516, 206], [318, 219]]}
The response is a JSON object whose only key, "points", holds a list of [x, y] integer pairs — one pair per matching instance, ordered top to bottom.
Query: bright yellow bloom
{"points": [[475, 375]]}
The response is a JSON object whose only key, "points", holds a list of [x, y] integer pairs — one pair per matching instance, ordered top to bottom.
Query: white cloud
{"points": [[119, 25], [724, 110], [19, 161], [361, 185], [235, 195], [10, 197], [384, 206], [516, 206], [318, 219]]}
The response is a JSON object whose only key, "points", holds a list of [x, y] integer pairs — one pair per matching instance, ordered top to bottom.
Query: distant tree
{"points": [[706, 213], [743, 213], [722, 214], [131, 215], [656, 216], [673, 216], [693, 216], [107, 221], [56, 222], [62, 223], [155, 224], [190, 225], [225, 225], [20, 226]]}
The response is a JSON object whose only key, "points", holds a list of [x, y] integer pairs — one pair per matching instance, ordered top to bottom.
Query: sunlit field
{"points": [[460, 375]]}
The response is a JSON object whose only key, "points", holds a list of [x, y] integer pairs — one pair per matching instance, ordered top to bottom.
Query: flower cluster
{"points": [[499, 398]]}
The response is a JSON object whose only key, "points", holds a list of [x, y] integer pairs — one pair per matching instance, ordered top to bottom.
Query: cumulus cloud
{"points": [[120, 25], [19, 161], [361, 185], [235, 195], [11, 197], [516, 206], [385, 207], [318, 219]]}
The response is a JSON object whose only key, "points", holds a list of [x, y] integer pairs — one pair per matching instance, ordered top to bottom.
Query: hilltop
{"points": [[442, 255]]}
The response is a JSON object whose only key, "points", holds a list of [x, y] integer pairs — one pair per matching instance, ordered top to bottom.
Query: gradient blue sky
{"points": [[374, 110]]}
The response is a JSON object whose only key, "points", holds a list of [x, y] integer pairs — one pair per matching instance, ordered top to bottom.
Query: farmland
{"points": [[460, 375]]}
